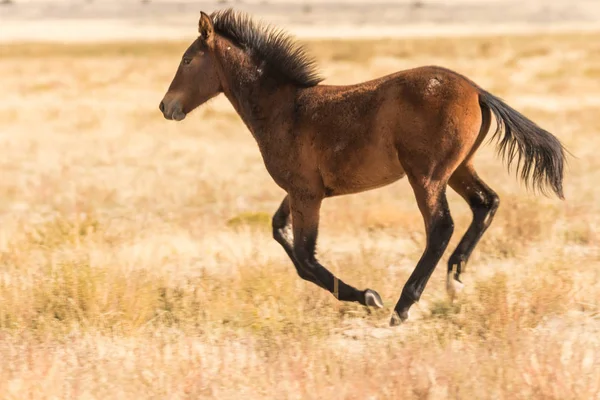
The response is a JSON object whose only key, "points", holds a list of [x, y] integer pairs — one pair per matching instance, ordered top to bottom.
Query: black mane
{"points": [[279, 51]]}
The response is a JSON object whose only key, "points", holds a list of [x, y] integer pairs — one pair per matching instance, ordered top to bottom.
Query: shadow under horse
{"points": [[319, 141]]}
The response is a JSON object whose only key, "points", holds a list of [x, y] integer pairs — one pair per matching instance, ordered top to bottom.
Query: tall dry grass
{"points": [[136, 259]]}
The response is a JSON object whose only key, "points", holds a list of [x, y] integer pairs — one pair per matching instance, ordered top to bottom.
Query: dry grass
{"points": [[136, 258]]}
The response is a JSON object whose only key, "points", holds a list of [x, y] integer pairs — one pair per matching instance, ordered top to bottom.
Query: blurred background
{"points": [[168, 19], [136, 257]]}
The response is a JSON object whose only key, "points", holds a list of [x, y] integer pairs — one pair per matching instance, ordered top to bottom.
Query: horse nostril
{"points": [[162, 106]]}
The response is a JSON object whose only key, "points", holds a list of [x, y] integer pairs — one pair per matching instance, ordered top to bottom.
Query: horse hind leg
{"points": [[432, 202], [483, 202]]}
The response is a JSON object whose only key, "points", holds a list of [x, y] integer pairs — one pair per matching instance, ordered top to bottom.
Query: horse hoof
{"points": [[453, 287], [373, 299], [397, 319]]}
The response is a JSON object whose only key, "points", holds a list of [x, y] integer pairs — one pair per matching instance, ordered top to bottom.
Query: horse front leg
{"points": [[305, 223], [282, 233]]}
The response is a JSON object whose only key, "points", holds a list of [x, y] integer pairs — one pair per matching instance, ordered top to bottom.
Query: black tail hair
{"points": [[540, 155]]}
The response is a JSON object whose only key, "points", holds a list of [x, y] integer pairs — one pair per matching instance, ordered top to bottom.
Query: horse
{"points": [[318, 141]]}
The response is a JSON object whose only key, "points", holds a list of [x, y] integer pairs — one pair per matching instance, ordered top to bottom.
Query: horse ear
{"points": [[205, 27]]}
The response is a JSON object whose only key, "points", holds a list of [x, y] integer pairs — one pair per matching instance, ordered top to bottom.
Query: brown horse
{"points": [[319, 141]]}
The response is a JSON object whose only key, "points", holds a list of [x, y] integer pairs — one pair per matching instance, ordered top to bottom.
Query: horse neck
{"points": [[262, 103]]}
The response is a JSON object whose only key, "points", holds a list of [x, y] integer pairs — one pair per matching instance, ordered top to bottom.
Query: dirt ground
{"points": [[136, 258]]}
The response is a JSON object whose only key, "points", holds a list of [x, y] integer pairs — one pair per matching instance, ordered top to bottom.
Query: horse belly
{"points": [[353, 173]]}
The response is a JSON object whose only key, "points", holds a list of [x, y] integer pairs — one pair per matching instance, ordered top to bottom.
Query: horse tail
{"points": [[539, 155]]}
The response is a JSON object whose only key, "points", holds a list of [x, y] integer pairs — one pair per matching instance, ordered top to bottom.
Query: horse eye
{"points": [[186, 61]]}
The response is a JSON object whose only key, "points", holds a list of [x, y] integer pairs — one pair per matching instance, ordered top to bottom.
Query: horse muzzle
{"points": [[172, 111]]}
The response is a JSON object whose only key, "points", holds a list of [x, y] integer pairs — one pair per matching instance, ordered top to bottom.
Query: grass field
{"points": [[136, 258]]}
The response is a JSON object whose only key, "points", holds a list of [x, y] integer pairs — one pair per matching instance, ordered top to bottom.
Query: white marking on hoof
{"points": [[453, 287], [373, 299], [396, 320]]}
